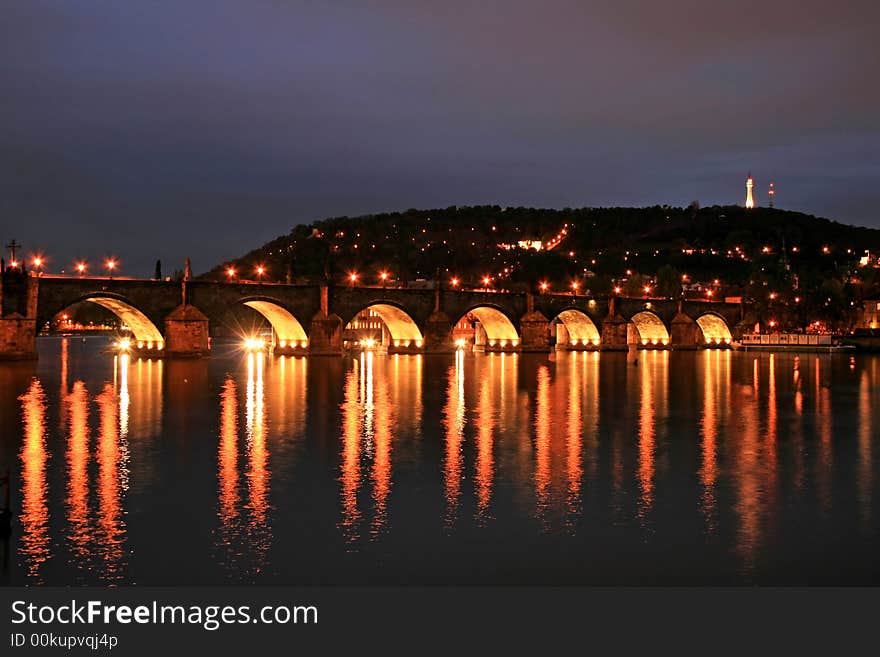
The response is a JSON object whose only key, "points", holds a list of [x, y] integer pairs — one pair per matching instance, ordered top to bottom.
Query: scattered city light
{"points": [[230, 272]]}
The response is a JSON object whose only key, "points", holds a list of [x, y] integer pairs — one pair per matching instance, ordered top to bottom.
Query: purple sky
{"points": [[166, 129]]}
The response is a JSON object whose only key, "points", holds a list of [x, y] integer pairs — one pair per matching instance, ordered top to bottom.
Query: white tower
{"points": [[750, 201]]}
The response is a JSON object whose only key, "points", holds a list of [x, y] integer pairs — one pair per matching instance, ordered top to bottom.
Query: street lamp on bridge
{"points": [[110, 265]]}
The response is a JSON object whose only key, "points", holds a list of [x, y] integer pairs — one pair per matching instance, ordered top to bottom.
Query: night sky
{"points": [[165, 129]]}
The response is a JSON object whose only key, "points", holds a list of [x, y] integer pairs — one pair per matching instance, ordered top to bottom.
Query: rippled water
{"points": [[700, 467]]}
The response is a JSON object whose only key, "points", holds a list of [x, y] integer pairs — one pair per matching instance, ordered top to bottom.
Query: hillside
{"points": [[465, 240]]}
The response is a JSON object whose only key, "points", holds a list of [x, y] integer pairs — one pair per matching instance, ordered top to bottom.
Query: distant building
{"points": [[537, 245], [869, 260], [870, 314]]}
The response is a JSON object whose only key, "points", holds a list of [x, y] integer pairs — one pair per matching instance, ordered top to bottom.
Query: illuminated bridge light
{"points": [[715, 329]]}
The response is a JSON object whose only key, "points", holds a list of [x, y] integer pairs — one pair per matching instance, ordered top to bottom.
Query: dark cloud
{"points": [[162, 129]]}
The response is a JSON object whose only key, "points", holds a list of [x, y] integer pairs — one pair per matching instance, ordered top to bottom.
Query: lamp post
{"points": [[111, 265]]}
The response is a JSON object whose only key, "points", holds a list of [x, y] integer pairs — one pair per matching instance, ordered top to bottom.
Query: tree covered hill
{"points": [[760, 253]]}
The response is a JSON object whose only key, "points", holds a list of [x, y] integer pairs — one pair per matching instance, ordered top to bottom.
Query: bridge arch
{"points": [[401, 326], [142, 327], [287, 328], [498, 328], [580, 328], [650, 329], [715, 329]]}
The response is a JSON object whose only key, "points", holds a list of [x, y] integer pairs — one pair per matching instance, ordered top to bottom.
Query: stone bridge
{"points": [[178, 318]]}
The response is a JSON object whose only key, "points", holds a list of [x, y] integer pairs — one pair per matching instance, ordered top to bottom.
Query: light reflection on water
{"points": [[714, 466]]}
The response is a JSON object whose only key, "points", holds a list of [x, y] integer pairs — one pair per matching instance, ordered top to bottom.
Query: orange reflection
{"points": [[65, 365], [577, 388], [647, 414], [453, 421], [823, 424], [796, 433], [542, 443], [485, 447], [351, 454], [258, 459], [227, 465], [865, 467], [709, 469], [381, 474], [750, 480], [77, 502], [110, 525], [34, 548]]}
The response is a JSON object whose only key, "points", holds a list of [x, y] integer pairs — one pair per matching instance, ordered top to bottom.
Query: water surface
{"points": [[710, 467]]}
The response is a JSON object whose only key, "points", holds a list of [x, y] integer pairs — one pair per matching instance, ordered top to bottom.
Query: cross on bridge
{"points": [[12, 246]]}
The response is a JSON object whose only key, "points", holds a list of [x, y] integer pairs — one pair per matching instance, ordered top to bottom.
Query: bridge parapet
{"points": [[314, 315]]}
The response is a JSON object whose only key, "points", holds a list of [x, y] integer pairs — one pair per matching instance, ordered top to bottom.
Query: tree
{"points": [[668, 281]]}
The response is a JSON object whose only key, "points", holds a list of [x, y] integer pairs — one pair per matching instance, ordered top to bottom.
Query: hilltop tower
{"points": [[770, 194], [750, 201]]}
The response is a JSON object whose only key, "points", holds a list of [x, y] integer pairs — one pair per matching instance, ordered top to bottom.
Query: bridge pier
{"points": [[18, 312], [534, 331], [684, 332], [186, 333], [615, 333], [438, 334], [325, 335]]}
